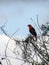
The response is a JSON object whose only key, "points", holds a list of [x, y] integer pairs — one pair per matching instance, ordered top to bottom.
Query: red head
{"points": [[30, 26]]}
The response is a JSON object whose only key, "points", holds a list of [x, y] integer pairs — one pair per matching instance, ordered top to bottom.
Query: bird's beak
{"points": [[28, 25]]}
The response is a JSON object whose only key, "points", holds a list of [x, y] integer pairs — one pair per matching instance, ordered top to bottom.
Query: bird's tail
{"points": [[35, 38]]}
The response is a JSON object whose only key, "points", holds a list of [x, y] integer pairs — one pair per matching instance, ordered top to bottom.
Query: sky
{"points": [[18, 14], [3, 41]]}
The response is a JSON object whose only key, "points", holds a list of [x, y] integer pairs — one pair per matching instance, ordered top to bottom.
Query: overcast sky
{"points": [[18, 14]]}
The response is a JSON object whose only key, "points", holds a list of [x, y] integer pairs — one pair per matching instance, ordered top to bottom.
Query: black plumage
{"points": [[32, 31]]}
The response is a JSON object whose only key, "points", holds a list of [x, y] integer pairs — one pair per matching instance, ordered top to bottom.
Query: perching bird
{"points": [[32, 31]]}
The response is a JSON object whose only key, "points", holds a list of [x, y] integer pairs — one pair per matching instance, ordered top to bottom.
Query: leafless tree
{"points": [[31, 50]]}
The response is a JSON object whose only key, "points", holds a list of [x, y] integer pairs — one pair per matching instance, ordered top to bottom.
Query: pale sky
{"points": [[18, 14]]}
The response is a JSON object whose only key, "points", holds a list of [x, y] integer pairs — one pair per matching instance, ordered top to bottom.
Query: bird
{"points": [[32, 31]]}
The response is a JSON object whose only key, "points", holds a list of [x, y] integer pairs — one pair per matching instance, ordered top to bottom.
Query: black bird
{"points": [[32, 31]]}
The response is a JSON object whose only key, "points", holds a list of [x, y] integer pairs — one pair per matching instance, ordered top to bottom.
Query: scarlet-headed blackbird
{"points": [[32, 31]]}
